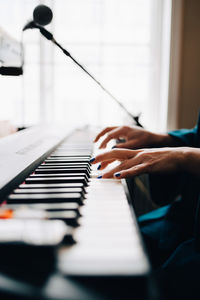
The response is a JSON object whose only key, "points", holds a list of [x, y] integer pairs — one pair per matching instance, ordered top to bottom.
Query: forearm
{"points": [[165, 140], [191, 160]]}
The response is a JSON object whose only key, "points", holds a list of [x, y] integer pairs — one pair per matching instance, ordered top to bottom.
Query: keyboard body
{"points": [[46, 167]]}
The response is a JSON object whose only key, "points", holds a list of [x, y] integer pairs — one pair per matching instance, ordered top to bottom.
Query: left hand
{"points": [[6, 128], [136, 162]]}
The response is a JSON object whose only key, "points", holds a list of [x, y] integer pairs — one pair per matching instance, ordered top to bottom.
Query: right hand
{"points": [[6, 128], [135, 137], [164, 160]]}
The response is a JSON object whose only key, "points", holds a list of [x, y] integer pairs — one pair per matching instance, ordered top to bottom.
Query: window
{"points": [[121, 42]]}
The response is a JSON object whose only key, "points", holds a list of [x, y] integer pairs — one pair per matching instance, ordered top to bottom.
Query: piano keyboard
{"points": [[63, 186]]}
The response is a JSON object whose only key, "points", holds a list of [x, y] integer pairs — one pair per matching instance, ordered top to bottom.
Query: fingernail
{"points": [[113, 147], [92, 159], [99, 167], [117, 174], [99, 177]]}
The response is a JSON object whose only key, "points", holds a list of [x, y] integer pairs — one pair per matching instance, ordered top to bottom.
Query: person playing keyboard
{"points": [[150, 152], [171, 232]]}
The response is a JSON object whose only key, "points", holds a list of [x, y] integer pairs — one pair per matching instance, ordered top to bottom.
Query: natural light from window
{"points": [[119, 41]]}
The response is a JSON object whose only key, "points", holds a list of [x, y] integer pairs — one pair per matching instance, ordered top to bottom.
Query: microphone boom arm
{"points": [[48, 35]]}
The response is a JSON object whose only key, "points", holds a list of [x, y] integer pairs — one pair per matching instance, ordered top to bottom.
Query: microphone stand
{"points": [[49, 36]]}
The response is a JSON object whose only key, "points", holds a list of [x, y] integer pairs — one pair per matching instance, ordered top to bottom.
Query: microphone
{"points": [[42, 15], [29, 25]]}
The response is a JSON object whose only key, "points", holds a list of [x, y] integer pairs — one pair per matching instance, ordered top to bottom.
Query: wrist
{"points": [[162, 139], [191, 160]]}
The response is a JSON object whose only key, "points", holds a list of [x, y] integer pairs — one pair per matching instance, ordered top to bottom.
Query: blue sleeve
{"points": [[188, 137]]}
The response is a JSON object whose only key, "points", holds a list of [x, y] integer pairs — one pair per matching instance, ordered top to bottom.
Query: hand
{"points": [[6, 128], [135, 137], [136, 162]]}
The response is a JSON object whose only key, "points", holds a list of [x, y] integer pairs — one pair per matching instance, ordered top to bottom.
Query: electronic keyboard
{"points": [[50, 192]]}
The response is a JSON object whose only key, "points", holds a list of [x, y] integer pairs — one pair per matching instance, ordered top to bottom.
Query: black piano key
{"points": [[64, 154], [69, 156], [58, 157], [66, 160], [79, 165], [65, 166], [56, 167], [61, 170], [60, 175], [57, 180], [53, 186], [48, 191], [45, 198], [71, 206], [69, 217]]}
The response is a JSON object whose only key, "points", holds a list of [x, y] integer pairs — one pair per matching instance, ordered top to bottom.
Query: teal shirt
{"points": [[188, 137], [181, 218]]}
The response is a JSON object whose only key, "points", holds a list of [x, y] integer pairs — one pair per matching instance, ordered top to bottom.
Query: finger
{"points": [[104, 131], [113, 134], [106, 141], [127, 145], [116, 154], [104, 164], [124, 165], [134, 171], [110, 173]]}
